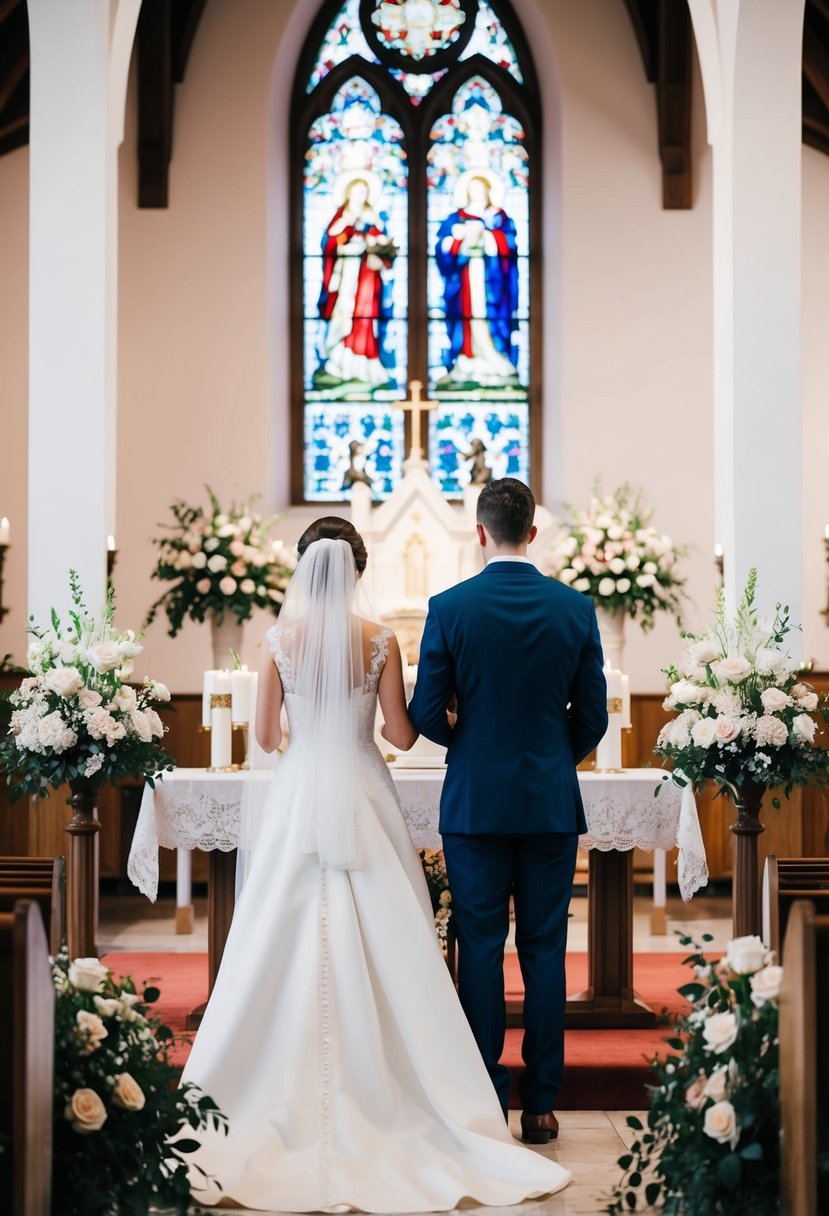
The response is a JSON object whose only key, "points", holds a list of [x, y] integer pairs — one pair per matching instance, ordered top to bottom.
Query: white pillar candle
{"points": [[5, 531], [208, 687], [240, 688], [626, 720], [221, 736], [609, 751]]}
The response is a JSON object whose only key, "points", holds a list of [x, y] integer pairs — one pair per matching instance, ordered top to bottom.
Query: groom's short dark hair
{"points": [[506, 508]]}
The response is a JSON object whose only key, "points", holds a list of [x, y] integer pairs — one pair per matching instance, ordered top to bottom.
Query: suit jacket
{"points": [[522, 655]]}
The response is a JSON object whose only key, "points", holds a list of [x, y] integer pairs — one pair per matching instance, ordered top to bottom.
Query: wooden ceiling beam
{"points": [[7, 7], [186, 17], [644, 18], [816, 66], [12, 78], [155, 102], [673, 104]]}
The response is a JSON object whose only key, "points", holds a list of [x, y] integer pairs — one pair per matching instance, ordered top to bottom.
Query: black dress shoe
{"points": [[538, 1129]]}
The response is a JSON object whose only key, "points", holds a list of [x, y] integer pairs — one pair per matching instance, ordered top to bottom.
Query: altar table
{"points": [[192, 808]]}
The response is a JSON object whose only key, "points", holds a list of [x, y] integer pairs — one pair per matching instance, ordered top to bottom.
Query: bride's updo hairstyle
{"points": [[334, 527]]}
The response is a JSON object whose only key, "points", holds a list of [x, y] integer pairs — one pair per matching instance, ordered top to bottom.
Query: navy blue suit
{"points": [[522, 655]]}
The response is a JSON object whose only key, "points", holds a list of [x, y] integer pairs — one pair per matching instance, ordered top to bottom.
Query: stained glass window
{"points": [[411, 122]]}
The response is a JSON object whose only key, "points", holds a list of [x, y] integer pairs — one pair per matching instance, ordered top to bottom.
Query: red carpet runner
{"points": [[605, 1069]]}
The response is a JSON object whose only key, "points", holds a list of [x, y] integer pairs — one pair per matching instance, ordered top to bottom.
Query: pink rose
{"points": [[237, 548], [239, 569], [228, 585], [203, 586], [88, 698], [725, 730], [695, 1092]]}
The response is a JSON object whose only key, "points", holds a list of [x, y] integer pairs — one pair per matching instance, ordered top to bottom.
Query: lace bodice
{"points": [[363, 700]]}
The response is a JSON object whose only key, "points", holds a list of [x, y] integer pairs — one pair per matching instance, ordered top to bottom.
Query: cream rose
{"points": [[199, 561], [216, 563], [617, 566], [645, 580], [581, 584], [228, 585], [623, 585], [247, 586], [607, 586], [128, 646], [704, 652], [104, 656], [734, 668], [125, 670], [65, 681], [159, 691], [687, 693], [89, 699], [124, 699], [774, 699], [809, 702], [141, 725], [156, 725], [803, 728], [726, 730], [770, 731], [704, 732], [745, 955], [87, 974], [765, 985], [107, 1006], [92, 1028], [719, 1031], [716, 1087], [127, 1093], [85, 1111], [721, 1124]]}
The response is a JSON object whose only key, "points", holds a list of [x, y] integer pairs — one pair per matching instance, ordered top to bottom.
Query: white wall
{"points": [[202, 352]]}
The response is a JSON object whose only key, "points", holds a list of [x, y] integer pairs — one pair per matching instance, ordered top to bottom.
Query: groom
{"points": [[521, 656]]}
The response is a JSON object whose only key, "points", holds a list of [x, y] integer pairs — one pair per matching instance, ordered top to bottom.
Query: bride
{"points": [[334, 1040]]}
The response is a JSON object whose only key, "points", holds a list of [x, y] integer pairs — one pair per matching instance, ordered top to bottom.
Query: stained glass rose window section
{"points": [[418, 29], [343, 38], [490, 40], [472, 442], [349, 443]]}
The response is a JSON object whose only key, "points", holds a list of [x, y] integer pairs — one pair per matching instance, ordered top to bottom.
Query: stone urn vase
{"points": [[612, 631], [226, 635]]}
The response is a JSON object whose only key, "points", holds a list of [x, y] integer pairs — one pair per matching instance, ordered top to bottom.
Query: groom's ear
{"points": [[533, 534], [482, 537]]}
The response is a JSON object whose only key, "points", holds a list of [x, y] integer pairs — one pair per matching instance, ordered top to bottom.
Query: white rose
{"points": [[604, 521], [227, 530], [614, 532], [210, 545], [184, 560], [199, 560], [633, 562], [217, 563], [578, 564], [617, 566], [650, 567], [566, 576], [645, 580], [581, 584], [228, 585], [623, 585], [247, 586], [607, 586], [128, 646], [704, 651], [104, 656], [770, 662], [734, 668], [125, 670], [65, 681], [800, 690], [159, 691], [687, 693], [88, 698], [124, 699], [774, 699], [809, 702], [141, 725], [156, 725], [803, 728], [726, 729], [770, 731], [704, 732], [745, 955], [87, 974], [765, 985], [107, 1006], [91, 1026], [719, 1031], [716, 1086], [127, 1093], [85, 1111], [721, 1124]]}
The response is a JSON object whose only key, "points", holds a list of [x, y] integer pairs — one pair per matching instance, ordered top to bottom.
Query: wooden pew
{"points": [[42, 879], [785, 880], [27, 1013], [804, 1060]]}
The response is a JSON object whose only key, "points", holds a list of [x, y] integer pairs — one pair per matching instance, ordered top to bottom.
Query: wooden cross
{"points": [[416, 405]]}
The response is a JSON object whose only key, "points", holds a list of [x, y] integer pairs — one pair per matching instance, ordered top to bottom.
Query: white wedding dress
{"points": [[334, 1039]]}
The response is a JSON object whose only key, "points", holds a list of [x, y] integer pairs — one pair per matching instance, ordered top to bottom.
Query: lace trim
{"points": [[379, 654], [282, 658]]}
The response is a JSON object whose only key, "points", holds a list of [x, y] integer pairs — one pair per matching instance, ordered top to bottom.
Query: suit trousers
{"points": [[537, 870]]}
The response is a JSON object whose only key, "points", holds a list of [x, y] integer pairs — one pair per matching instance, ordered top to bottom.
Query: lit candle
{"points": [[825, 530], [5, 531], [110, 543], [718, 552], [208, 687], [240, 688]]}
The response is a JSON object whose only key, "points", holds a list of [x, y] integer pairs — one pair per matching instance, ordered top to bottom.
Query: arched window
{"points": [[415, 243]]}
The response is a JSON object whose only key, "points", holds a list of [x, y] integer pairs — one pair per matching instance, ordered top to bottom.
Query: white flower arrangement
{"points": [[611, 552], [219, 562], [743, 715], [75, 719], [712, 1142]]}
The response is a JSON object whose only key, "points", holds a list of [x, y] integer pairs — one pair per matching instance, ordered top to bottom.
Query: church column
{"points": [[80, 53], [750, 57]]}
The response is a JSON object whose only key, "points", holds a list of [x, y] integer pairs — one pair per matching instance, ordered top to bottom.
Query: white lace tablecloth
{"points": [[194, 809]]}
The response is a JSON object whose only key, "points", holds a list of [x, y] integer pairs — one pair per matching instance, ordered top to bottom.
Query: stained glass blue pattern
{"points": [[355, 267], [495, 435], [346, 443]]}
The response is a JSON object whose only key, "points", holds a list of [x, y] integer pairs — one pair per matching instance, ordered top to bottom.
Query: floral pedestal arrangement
{"points": [[611, 552], [220, 566], [76, 721], [744, 723], [711, 1146]]}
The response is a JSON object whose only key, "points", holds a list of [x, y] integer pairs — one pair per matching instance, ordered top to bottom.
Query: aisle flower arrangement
{"points": [[611, 551], [219, 563], [743, 714], [75, 719], [434, 867], [120, 1122], [712, 1140]]}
